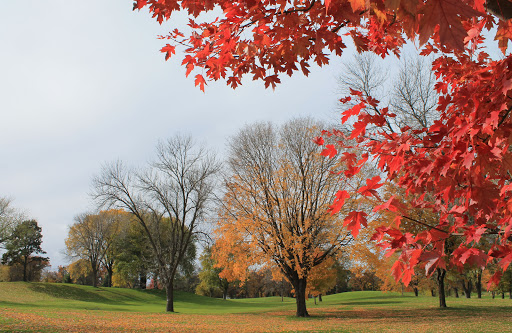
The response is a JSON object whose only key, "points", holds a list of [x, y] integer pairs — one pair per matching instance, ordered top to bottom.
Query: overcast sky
{"points": [[84, 83]]}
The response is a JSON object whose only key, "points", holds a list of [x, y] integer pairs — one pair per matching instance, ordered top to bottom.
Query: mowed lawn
{"points": [[43, 307]]}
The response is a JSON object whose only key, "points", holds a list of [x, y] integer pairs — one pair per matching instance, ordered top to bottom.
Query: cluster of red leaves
{"points": [[266, 38], [464, 159]]}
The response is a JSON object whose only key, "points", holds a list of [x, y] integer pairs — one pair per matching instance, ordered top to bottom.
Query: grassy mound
{"points": [[70, 296]]}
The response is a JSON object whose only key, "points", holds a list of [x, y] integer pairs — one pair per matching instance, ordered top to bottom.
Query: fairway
{"points": [[43, 307]]}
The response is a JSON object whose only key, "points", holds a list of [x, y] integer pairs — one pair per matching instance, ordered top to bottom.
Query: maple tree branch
{"points": [[306, 9], [341, 25], [504, 117], [423, 224]]}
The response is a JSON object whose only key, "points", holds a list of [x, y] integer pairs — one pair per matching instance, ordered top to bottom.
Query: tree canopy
{"points": [[275, 210]]}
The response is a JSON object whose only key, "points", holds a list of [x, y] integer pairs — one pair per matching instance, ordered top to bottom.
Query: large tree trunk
{"points": [[478, 283], [440, 287], [169, 291], [415, 291], [456, 292], [300, 297], [320, 297]]}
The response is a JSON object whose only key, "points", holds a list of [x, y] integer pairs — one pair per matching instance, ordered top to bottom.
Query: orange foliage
{"points": [[275, 210], [322, 278]]}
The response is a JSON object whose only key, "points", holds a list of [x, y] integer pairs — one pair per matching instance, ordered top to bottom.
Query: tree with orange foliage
{"points": [[275, 208], [322, 278]]}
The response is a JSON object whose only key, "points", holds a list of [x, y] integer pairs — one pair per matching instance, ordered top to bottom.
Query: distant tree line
{"points": [[260, 225]]}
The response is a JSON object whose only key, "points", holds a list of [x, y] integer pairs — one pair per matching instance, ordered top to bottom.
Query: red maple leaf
{"points": [[448, 15], [168, 50], [200, 81], [354, 111], [359, 129], [319, 140], [329, 151], [371, 186], [339, 201], [354, 220]]}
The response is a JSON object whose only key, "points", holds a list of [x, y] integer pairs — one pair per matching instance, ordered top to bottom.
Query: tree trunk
{"points": [[25, 262], [110, 272], [94, 276], [143, 280], [478, 283], [440, 287], [467, 288], [282, 289], [225, 290], [456, 290], [169, 291], [415, 291], [432, 293], [493, 294], [502, 295], [300, 297], [320, 297], [314, 298]]}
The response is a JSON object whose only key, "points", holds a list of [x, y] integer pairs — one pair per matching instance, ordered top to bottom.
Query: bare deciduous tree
{"points": [[411, 95], [414, 98], [169, 199], [10, 217]]}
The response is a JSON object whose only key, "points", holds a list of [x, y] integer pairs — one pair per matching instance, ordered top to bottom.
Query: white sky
{"points": [[83, 83]]}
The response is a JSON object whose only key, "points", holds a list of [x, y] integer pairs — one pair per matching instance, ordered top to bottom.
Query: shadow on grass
{"points": [[71, 293], [67, 307], [420, 314]]}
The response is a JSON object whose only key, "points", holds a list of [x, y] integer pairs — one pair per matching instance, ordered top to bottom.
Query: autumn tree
{"points": [[465, 154], [169, 199], [275, 210], [92, 236], [22, 245], [80, 272], [322, 278]]}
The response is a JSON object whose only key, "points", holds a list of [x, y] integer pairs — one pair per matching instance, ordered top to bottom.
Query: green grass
{"points": [[44, 307]]}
